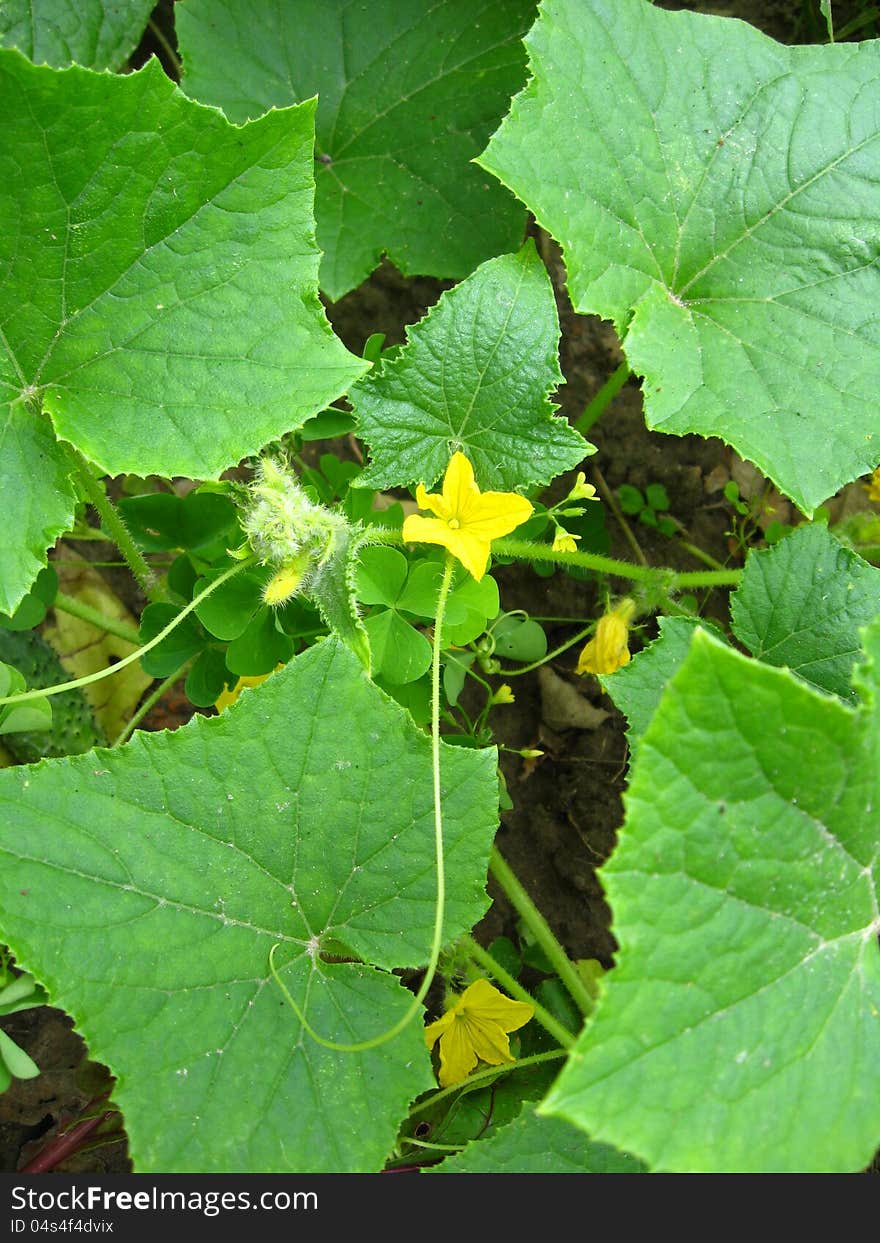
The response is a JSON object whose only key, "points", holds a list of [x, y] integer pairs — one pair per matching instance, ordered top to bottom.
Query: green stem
{"points": [[159, 35], [605, 395], [611, 501], [113, 523], [526, 550], [697, 552], [76, 608], [141, 651], [150, 702], [440, 905], [563, 966], [557, 1030], [484, 1077]]}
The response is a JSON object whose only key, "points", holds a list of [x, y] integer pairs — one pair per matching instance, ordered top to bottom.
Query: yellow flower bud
{"points": [[565, 541], [285, 582], [608, 650], [504, 695]]}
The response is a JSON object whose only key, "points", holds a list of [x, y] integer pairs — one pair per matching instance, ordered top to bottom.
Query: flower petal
{"points": [[459, 487], [430, 500], [493, 514], [419, 530], [471, 550], [485, 1001], [436, 1029], [488, 1041], [457, 1057]]}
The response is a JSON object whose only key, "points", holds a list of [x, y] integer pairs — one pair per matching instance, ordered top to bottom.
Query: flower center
{"points": [[454, 524]]}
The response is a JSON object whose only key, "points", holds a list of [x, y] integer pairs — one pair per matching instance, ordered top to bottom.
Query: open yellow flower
{"points": [[467, 520], [608, 650], [475, 1028]]}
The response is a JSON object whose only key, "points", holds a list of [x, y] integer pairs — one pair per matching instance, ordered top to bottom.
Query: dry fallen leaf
{"points": [[83, 649], [563, 706]]}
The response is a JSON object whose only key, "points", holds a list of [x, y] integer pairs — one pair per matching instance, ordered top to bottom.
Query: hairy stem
{"points": [[603, 398], [114, 524], [524, 905]]}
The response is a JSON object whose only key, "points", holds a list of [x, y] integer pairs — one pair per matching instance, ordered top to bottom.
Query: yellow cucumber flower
{"points": [[581, 490], [467, 519], [564, 541], [608, 650], [476, 1027]]}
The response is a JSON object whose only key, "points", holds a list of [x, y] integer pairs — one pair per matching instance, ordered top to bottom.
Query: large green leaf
{"points": [[94, 33], [409, 91], [717, 196], [159, 292], [474, 376], [38, 496], [801, 604], [638, 687], [146, 886], [739, 1029], [535, 1145]]}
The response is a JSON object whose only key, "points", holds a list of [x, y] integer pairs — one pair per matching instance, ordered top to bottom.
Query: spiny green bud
{"points": [[286, 529]]}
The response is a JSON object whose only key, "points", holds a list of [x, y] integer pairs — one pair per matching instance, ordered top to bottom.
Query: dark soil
{"points": [[567, 804]]}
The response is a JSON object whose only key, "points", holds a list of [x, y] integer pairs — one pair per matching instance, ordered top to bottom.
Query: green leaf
{"points": [[93, 33], [409, 91], [722, 227], [160, 289], [474, 377], [657, 497], [36, 515], [202, 522], [381, 573], [422, 589], [35, 604], [801, 604], [468, 609], [227, 612], [519, 638], [184, 641], [260, 647], [400, 653], [207, 678], [638, 687], [36, 714], [267, 825], [744, 885], [16, 1061], [535, 1145]]}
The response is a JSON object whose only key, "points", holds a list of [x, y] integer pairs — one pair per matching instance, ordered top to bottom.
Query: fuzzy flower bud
{"points": [[287, 530]]}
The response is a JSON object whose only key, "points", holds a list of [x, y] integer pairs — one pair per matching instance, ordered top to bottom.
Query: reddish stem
{"points": [[64, 1146]]}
